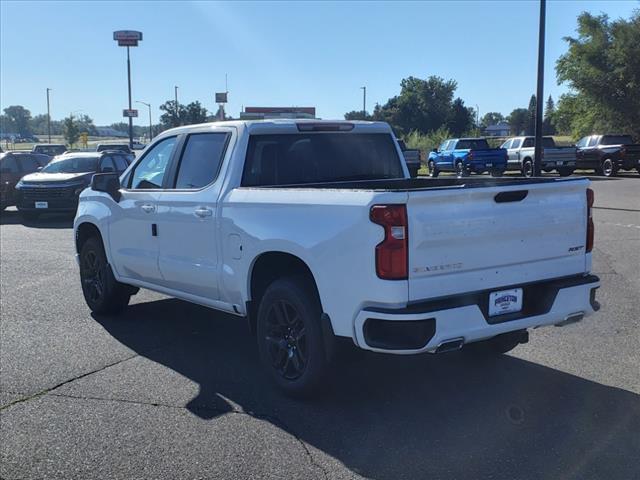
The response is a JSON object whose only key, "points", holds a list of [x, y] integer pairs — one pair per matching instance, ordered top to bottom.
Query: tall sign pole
{"points": [[128, 38], [129, 82], [364, 100], [48, 116], [537, 162]]}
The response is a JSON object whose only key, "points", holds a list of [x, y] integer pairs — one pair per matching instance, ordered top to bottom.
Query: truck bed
{"points": [[418, 184]]}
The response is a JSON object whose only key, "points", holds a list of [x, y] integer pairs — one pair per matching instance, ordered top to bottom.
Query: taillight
{"points": [[623, 151], [470, 156], [590, 227], [392, 255]]}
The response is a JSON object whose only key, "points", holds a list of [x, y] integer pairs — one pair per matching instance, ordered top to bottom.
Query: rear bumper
{"points": [[422, 327]]}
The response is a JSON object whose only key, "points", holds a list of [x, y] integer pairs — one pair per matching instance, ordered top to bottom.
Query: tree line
{"points": [[601, 68]]}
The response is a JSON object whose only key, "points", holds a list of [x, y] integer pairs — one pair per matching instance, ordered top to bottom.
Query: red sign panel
{"points": [[127, 38]]}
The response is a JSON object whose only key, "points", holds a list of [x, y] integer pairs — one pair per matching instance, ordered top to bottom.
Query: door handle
{"points": [[148, 208], [203, 212]]}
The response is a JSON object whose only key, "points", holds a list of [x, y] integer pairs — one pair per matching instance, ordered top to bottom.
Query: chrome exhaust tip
{"points": [[571, 318], [450, 345]]}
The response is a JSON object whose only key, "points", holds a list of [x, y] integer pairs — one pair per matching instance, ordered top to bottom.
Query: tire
{"points": [[527, 168], [608, 168], [433, 170], [461, 172], [565, 172], [497, 173], [101, 291], [289, 336], [499, 344]]}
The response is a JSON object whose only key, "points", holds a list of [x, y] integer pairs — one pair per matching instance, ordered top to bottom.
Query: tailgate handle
{"points": [[512, 196]]}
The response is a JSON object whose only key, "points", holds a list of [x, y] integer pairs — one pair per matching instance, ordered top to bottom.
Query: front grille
{"points": [[46, 193]]}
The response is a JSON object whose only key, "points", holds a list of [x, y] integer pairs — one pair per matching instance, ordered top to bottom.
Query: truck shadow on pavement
{"points": [[388, 417]]}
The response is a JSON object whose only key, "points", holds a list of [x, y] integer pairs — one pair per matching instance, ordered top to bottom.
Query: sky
{"points": [[278, 53]]}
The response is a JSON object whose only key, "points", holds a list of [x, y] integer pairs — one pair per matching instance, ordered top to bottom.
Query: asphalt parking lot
{"points": [[171, 390]]}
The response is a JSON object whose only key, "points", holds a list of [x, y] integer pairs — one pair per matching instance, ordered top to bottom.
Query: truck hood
{"points": [[44, 177]]}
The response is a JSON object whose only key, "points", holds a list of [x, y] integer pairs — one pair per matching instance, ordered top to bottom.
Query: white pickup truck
{"points": [[313, 231]]}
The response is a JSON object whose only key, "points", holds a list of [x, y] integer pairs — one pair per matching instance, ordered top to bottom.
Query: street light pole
{"points": [[175, 89], [364, 101], [48, 116], [477, 117], [150, 123], [537, 161]]}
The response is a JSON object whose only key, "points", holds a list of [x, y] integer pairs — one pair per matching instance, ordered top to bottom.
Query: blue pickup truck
{"points": [[466, 155]]}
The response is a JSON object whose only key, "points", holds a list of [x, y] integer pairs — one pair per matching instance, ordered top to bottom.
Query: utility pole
{"points": [[175, 91], [364, 101], [48, 116], [130, 118], [150, 123], [537, 161]]}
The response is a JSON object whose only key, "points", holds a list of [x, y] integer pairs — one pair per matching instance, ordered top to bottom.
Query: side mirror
{"points": [[434, 150], [38, 168], [108, 183]]}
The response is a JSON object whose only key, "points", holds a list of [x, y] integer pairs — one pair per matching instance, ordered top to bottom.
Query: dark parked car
{"points": [[119, 147], [122, 147], [51, 149], [606, 154], [411, 158], [13, 166], [56, 187]]}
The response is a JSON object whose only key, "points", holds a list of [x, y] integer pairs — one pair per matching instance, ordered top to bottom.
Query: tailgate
{"points": [[559, 154], [463, 240]]}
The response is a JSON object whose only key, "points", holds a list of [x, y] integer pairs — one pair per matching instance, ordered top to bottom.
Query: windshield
{"points": [[616, 140], [472, 144], [315, 158], [72, 165]]}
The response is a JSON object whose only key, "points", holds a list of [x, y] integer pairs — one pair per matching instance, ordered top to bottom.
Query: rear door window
{"points": [[528, 142], [516, 143], [305, 158], [201, 159], [28, 163], [121, 163], [8, 164], [107, 165]]}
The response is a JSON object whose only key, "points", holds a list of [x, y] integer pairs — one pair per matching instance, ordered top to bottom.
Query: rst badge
{"points": [[505, 301]]}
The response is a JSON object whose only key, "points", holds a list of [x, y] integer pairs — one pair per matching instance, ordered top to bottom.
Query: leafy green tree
{"points": [[602, 67], [422, 105], [549, 111], [195, 113], [357, 115], [531, 116], [19, 118], [170, 118], [460, 118], [491, 118], [519, 120], [85, 124], [7, 125], [71, 131]]}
